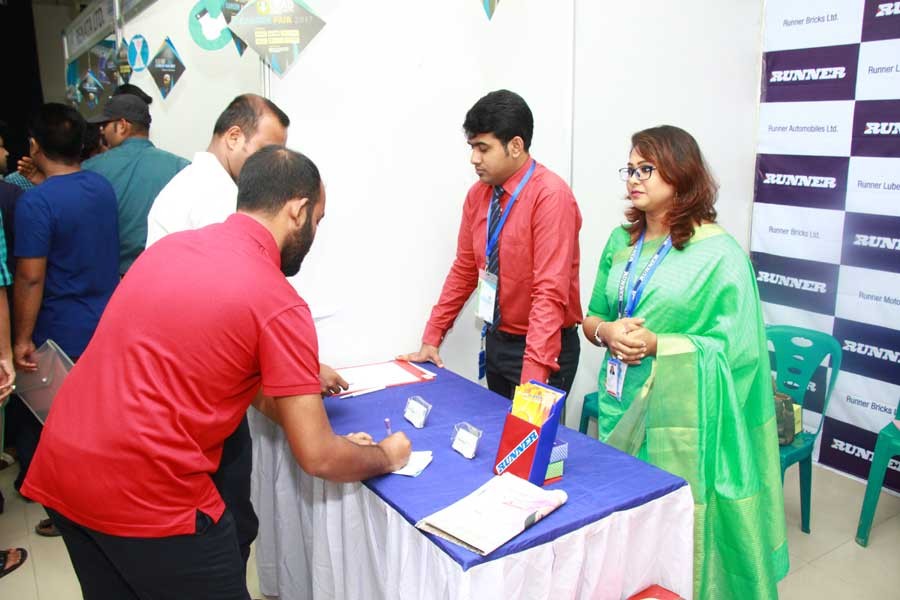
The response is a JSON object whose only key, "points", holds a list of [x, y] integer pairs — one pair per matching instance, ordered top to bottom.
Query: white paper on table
{"points": [[378, 375], [417, 463], [493, 514]]}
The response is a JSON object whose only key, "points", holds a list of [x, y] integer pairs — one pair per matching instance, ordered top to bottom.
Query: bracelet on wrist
{"points": [[597, 337]]}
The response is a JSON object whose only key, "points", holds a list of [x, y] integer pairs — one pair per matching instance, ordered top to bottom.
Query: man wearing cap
{"points": [[136, 168]]}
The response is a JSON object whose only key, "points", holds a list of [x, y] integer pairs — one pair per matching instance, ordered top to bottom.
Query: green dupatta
{"points": [[703, 409]]}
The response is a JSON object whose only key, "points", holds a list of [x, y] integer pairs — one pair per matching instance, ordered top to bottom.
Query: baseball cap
{"points": [[128, 107]]}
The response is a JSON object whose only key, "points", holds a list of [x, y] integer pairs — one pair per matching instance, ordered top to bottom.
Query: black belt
{"points": [[514, 337]]}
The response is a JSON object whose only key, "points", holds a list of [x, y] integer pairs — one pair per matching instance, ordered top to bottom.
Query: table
{"points": [[626, 525]]}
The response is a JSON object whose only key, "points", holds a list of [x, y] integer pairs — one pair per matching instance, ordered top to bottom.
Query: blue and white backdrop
{"points": [[826, 217]]}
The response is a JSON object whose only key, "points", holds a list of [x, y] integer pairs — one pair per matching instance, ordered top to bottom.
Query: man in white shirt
{"points": [[205, 192]]}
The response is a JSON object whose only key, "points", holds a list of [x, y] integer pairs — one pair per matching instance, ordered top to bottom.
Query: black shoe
{"points": [[46, 528]]}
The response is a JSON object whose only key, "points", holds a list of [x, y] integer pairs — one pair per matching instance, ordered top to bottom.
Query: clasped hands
{"points": [[628, 339]]}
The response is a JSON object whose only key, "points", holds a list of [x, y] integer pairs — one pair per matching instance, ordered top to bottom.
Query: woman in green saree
{"points": [[686, 377]]}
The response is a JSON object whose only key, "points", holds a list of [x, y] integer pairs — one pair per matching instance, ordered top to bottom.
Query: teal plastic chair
{"points": [[798, 353], [589, 410], [887, 447]]}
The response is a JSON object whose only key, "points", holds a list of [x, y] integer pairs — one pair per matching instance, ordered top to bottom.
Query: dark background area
{"points": [[20, 92]]}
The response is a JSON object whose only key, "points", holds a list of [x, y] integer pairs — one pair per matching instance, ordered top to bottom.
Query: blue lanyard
{"points": [[489, 247], [634, 290]]}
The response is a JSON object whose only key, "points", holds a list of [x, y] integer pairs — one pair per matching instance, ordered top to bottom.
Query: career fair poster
{"points": [[229, 9], [208, 24], [277, 30], [122, 62], [166, 68], [91, 76], [825, 241]]}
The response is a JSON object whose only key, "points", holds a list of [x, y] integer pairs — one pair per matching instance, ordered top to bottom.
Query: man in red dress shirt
{"points": [[518, 250], [203, 324]]}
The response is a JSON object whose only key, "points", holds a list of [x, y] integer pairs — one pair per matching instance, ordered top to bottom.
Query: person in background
{"points": [[130, 88], [94, 143], [4, 153], [136, 168], [15, 178], [206, 192], [9, 195], [518, 245], [67, 247], [686, 381], [148, 445], [11, 558]]}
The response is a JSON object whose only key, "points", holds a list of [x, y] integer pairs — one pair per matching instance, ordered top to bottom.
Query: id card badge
{"points": [[487, 296], [482, 356], [615, 378]]}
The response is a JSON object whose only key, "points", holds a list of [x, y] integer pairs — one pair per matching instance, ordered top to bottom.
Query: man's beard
{"points": [[296, 247]]}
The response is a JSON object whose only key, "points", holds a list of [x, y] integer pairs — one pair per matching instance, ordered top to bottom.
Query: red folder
{"points": [[411, 374]]}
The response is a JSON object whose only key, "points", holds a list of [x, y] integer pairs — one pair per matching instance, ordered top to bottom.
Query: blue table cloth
{"points": [[598, 479]]}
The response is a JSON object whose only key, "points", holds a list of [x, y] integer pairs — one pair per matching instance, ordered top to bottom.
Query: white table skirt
{"points": [[341, 541]]}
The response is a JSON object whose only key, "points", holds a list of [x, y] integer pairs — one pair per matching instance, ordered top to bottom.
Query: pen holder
{"points": [[417, 410], [465, 439], [525, 447]]}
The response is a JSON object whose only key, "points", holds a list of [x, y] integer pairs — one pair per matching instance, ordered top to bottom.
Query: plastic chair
{"points": [[798, 353], [590, 409], [887, 447]]}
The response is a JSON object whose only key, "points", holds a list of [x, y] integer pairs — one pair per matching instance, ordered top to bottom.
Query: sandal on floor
{"points": [[46, 528], [5, 568]]}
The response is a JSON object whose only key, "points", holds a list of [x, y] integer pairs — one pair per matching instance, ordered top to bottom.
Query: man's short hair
{"points": [[245, 111], [503, 113], [59, 131], [91, 142], [272, 176]]}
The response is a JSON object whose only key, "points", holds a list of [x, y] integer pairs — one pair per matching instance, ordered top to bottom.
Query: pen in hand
{"points": [[387, 427]]}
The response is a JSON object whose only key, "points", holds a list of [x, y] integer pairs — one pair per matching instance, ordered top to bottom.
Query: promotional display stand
{"points": [[525, 448]]}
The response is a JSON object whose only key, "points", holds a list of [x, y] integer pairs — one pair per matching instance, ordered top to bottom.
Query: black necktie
{"points": [[493, 260]]}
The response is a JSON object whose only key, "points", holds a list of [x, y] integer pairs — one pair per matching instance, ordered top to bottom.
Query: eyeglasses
{"points": [[643, 172]]}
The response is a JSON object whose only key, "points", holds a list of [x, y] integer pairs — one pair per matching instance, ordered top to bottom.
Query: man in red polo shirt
{"points": [[518, 247], [204, 324]]}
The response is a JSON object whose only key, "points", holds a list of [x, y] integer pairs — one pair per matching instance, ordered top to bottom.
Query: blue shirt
{"points": [[137, 170], [71, 220]]}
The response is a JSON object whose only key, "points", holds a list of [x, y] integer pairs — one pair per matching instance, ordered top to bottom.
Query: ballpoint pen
{"points": [[387, 427]]}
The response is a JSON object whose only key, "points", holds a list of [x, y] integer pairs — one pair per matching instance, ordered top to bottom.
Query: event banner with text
{"points": [[826, 218]]}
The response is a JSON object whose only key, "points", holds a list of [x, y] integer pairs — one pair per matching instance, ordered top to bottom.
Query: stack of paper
{"points": [[378, 376], [533, 403], [417, 463], [493, 514]]}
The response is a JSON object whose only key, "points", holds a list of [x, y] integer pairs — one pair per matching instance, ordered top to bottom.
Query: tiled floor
{"points": [[827, 563]]}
